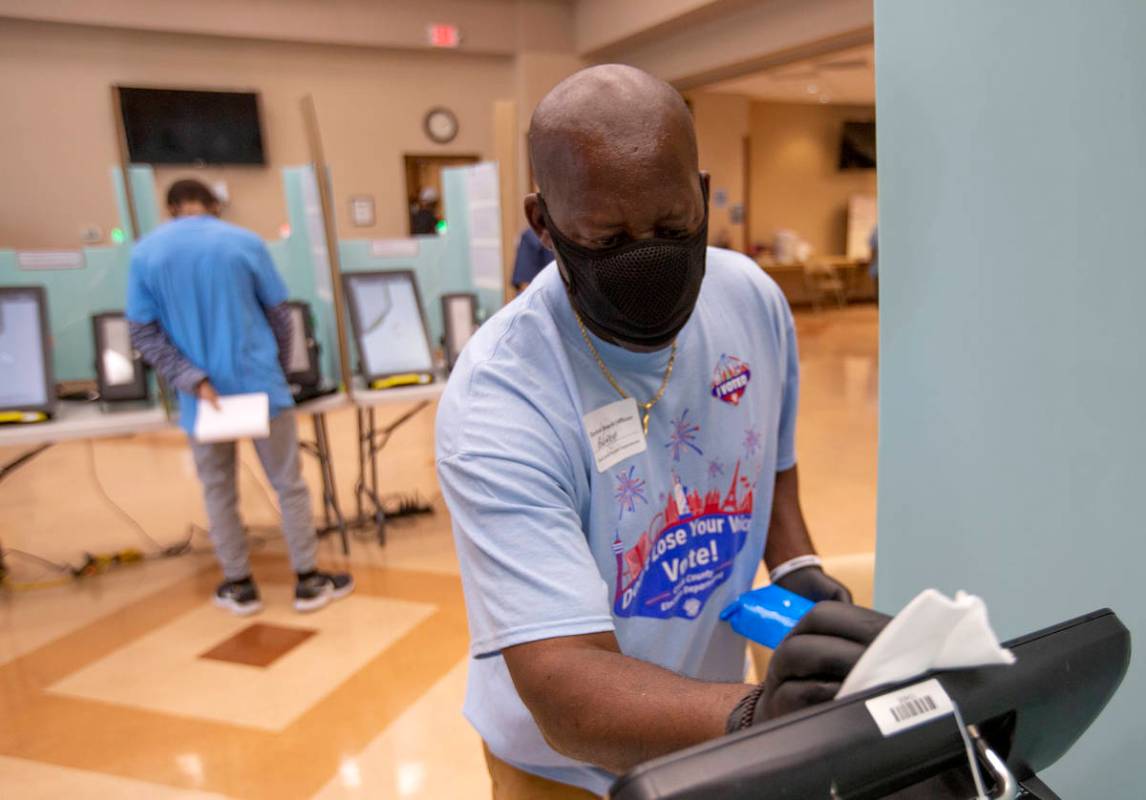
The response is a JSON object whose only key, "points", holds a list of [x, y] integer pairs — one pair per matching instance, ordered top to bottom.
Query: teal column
{"points": [[1011, 175]]}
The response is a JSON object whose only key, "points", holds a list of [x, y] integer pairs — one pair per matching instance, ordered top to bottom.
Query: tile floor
{"points": [[106, 689]]}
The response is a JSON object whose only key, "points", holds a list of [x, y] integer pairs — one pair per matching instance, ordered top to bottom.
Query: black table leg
{"points": [[371, 441], [330, 506], [379, 512], [333, 520]]}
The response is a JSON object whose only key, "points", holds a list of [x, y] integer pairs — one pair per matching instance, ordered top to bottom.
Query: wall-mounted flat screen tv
{"points": [[177, 126]]}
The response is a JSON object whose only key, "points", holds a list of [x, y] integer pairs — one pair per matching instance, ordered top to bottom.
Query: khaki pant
{"points": [[510, 783]]}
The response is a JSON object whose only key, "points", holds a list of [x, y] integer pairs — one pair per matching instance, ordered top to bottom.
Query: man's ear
{"points": [[537, 220]]}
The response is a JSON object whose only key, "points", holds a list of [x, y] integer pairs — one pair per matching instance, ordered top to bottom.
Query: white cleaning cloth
{"points": [[932, 632]]}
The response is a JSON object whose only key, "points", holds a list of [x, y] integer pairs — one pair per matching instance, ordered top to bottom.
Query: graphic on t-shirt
{"points": [[730, 379], [683, 436], [752, 442], [715, 468], [629, 490], [686, 553]]}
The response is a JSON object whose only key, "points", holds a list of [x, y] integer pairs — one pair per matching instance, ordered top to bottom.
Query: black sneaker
{"points": [[316, 589], [239, 597]]}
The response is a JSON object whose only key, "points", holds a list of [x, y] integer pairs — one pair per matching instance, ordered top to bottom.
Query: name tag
{"points": [[615, 432]]}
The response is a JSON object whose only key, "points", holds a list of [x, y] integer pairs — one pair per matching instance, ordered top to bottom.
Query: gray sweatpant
{"points": [[278, 453]]}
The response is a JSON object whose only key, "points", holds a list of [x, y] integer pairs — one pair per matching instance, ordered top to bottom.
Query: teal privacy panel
{"points": [[116, 175], [146, 198], [301, 260], [460, 269], [73, 296], [1012, 442]]}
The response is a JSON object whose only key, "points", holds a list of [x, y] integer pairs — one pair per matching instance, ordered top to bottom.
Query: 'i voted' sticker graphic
{"points": [[730, 379]]}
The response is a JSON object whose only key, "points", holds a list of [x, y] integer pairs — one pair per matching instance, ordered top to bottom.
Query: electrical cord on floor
{"points": [[396, 505], [399, 505], [166, 551], [99, 563], [55, 566], [62, 570]]}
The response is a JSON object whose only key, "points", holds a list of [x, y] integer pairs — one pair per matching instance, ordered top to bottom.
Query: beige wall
{"points": [[489, 26], [722, 122], [57, 139], [795, 182]]}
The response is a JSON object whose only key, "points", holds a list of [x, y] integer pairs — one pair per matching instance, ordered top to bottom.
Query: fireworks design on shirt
{"points": [[683, 436], [752, 442], [715, 468], [629, 490]]}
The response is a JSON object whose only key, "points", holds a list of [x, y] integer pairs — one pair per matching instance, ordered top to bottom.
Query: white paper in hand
{"points": [[239, 416], [931, 632]]}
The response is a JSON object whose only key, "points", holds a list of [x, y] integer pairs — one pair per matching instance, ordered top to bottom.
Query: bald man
{"points": [[616, 448]]}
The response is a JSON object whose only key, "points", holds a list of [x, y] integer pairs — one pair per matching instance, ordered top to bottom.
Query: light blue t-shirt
{"points": [[207, 283], [656, 545]]}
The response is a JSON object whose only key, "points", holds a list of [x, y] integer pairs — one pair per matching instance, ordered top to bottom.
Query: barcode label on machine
{"points": [[913, 707], [905, 708]]}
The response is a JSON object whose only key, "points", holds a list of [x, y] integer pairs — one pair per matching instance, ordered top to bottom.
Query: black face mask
{"points": [[639, 293]]}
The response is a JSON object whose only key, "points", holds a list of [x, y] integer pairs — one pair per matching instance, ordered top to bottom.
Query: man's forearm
{"points": [[279, 318], [164, 357], [787, 532], [620, 711]]}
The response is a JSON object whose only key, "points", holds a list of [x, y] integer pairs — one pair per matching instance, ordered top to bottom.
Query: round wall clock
{"points": [[441, 125]]}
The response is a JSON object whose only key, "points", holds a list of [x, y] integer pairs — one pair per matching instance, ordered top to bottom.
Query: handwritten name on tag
{"points": [[615, 432]]}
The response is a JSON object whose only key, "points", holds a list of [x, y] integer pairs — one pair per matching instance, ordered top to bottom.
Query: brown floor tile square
{"points": [[259, 645]]}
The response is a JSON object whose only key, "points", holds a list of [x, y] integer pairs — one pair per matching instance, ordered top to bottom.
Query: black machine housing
{"points": [[454, 340], [304, 375], [120, 391], [1030, 714]]}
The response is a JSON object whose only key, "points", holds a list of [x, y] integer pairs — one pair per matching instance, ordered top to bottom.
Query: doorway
{"points": [[425, 171]]}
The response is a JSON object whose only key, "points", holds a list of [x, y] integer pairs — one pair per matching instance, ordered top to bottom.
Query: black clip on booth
{"points": [[1020, 719]]}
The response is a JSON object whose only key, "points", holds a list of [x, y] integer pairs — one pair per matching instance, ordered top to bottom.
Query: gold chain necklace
{"points": [[647, 407]]}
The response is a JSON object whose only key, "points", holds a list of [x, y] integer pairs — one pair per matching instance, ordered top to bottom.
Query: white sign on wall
{"points": [[362, 210], [863, 214], [484, 225], [394, 248], [32, 260]]}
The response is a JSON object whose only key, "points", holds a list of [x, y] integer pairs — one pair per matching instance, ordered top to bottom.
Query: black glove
{"points": [[815, 585], [811, 663]]}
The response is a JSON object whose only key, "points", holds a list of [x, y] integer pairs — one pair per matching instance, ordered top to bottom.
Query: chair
{"points": [[821, 280]]}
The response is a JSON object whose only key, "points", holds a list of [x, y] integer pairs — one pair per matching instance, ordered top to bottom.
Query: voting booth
{"points": [[402, 310], [68, 370], [911, 740]]}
